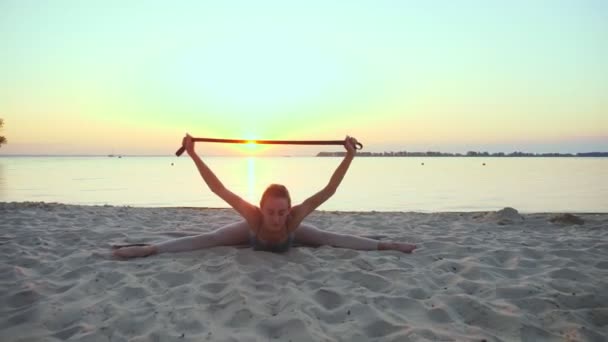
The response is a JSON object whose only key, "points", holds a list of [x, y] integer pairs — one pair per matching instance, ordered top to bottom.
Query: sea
{"points": [[420, 184]]}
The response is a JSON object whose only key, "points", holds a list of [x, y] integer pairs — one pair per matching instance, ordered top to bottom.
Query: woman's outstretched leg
{"points": [[232, 234], [312, 236]]}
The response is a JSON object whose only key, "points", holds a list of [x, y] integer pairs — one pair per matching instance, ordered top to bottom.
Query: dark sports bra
{"points": [[260, 245]]}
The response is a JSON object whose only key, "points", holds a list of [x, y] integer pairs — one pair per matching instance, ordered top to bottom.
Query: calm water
{"points": [[382, 184]]}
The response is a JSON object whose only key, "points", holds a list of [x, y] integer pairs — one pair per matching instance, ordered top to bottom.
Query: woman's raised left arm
{"points": [[299, 212]]}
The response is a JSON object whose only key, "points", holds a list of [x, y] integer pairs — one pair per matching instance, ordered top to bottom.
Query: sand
{"points": [[493, 276]]}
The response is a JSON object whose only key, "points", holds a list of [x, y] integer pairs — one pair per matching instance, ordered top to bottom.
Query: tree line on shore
{"points": [[2, 138]]}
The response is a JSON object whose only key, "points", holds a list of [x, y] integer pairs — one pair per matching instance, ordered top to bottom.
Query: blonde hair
{"points": [[275, 190]]}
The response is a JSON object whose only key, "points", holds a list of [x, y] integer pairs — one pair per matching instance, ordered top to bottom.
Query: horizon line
{"points": [[374, 154]]}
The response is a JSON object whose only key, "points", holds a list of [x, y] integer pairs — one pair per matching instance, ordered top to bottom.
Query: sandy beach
{"points": [[476, 276]]}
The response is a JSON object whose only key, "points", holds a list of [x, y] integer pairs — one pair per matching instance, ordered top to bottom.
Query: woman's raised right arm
{"points": [[249, 211]]}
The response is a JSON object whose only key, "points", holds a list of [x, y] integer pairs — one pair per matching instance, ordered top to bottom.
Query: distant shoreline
{"points": [[468, 154]]}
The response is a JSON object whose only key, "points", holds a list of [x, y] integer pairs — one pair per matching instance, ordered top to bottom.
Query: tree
{"points": [[2, 139]]}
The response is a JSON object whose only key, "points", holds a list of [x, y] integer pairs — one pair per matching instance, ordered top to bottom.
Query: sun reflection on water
{"points": [[250, 179]]}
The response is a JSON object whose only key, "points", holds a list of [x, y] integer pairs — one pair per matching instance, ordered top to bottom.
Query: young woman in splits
{"points": [[274, 225]]}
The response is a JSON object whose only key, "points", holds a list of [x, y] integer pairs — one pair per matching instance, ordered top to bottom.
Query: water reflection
{"points": [[251, 179], [2, 182], [443, 184]]}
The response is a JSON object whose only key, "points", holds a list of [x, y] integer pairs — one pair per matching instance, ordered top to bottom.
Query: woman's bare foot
{"points": [[396, 246], [134, 251]]}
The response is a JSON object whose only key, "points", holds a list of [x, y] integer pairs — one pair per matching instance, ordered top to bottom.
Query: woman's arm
{"points": [[249, 212], [299, 212]]}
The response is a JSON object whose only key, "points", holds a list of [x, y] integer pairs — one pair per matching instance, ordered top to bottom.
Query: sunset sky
{"points": [[131, 77]]}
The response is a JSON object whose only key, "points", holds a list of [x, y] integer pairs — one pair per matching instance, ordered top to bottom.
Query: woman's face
{"points": [[275, 212]]}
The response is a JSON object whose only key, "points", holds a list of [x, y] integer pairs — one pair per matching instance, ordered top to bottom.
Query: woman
{"points": [[274, 225]]}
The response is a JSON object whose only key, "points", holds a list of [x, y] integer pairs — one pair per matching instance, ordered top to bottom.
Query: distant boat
{"points": [[112, 155]]}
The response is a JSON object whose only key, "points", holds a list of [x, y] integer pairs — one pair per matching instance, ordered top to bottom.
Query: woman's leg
{"points": [[231, 234], [310, 235]]}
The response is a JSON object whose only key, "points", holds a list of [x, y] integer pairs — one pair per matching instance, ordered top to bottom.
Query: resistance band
{"points": [[269, 142]]}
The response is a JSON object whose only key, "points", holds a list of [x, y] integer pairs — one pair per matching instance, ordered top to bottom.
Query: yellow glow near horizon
{"points": [[251, 146]]}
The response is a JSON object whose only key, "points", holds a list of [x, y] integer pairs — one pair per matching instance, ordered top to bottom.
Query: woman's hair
{"points": [[275, 190]]}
